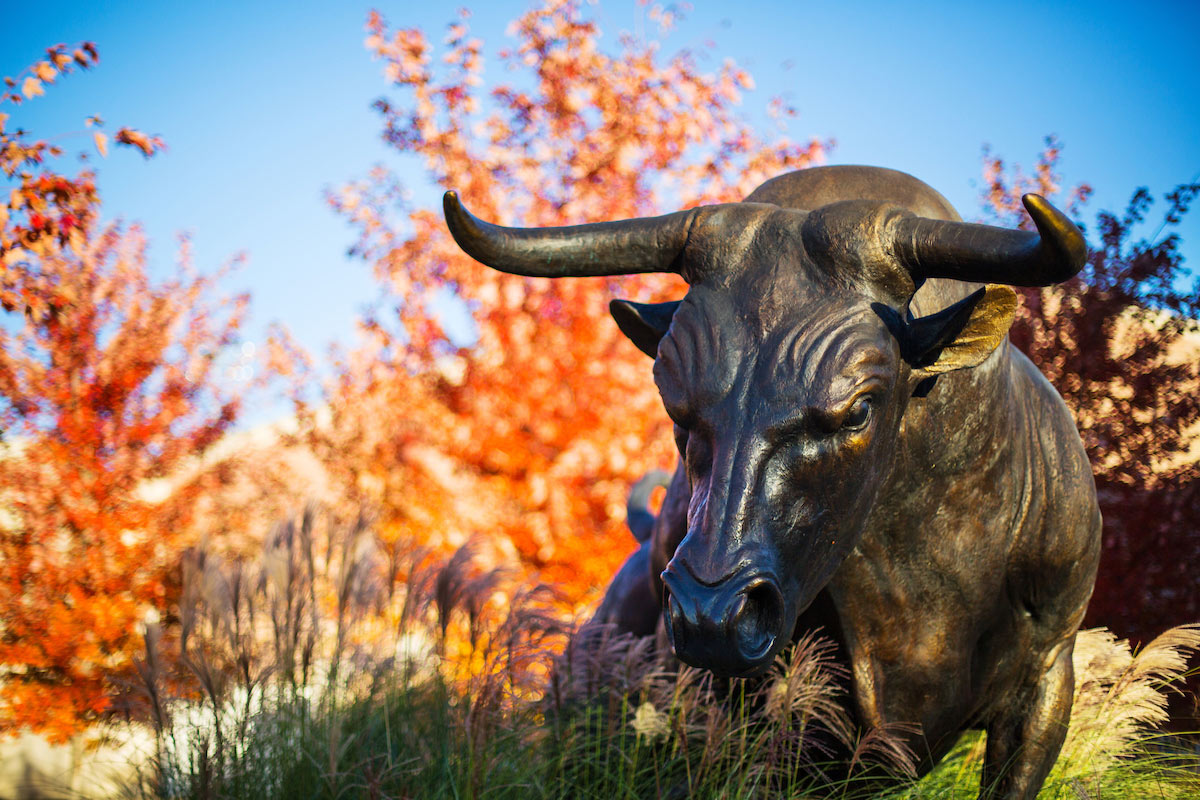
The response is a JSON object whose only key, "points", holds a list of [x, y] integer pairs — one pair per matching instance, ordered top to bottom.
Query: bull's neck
{"points": [[963, 433]]}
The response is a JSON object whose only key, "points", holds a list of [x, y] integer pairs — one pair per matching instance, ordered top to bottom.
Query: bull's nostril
{"points": [[757, 619], [731, 627]]}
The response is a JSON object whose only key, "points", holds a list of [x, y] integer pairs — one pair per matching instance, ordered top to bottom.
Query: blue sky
{"points": [[265, 104]]}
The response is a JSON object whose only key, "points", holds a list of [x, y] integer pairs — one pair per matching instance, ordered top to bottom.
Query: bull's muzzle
{"points": [[731, 627]]}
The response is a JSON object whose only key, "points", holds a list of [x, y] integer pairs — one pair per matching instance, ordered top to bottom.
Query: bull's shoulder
{"points": [[1049, 428], [990, 482], [1057, 548]]}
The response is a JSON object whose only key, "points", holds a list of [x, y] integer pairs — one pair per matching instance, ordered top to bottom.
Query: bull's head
{"points": [[787, 369]]}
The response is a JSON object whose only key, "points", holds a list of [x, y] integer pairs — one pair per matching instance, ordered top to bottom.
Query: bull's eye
{"points": [[858, 416]]}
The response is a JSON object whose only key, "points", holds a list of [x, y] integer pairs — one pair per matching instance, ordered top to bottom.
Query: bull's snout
{"points": [[730, 628]]}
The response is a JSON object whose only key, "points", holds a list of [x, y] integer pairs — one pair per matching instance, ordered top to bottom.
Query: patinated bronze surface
{"points": [[862, 450]]}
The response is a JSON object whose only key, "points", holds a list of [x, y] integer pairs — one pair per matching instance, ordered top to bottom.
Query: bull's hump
{"points": [[812, 188]]}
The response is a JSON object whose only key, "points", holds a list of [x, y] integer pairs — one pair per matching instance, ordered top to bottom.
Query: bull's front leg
{"points": [[630, 604], [1024, 739]]}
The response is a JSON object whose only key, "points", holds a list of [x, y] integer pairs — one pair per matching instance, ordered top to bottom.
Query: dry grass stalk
{"points": [[1121, 696], [777, 730]]}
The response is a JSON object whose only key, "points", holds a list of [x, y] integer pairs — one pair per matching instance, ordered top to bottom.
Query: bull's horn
{"points": [[651, 244], [931, 248]]}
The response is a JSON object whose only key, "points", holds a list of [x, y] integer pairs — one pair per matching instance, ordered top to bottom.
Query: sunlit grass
{"points": [[335, 669]]}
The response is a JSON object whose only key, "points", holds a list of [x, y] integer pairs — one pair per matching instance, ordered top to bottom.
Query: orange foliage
{"points": [[46, 211], [107, 383], [533, 432]]}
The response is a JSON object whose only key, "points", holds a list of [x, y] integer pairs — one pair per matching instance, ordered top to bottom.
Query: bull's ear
{"points": [[643, 323], [957, 337]]}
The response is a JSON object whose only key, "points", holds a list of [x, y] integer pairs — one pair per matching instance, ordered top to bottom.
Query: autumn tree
{"points": [[1121, 343], [108, 381], [531, 426]]}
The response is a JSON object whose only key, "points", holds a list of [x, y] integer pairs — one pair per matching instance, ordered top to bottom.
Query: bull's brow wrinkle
{"points": [[691, 347], [809, 361]]}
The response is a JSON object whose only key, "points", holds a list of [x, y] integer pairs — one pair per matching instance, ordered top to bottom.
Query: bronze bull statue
{"points": [[862, 450]]}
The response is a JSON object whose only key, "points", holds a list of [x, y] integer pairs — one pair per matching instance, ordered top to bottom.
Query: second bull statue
{"points": [[862, 450]]}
